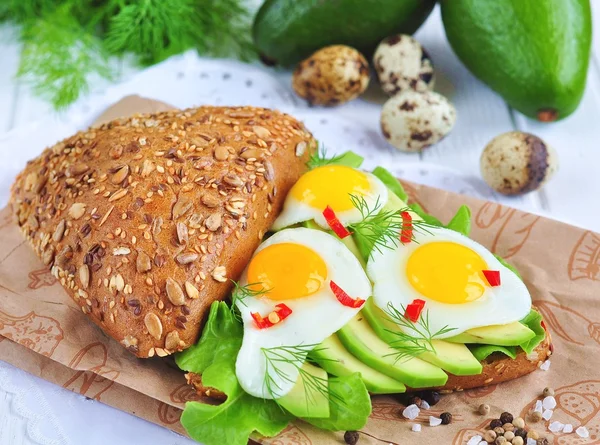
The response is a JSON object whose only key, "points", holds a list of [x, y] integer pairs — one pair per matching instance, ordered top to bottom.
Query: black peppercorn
{"points": [[431, 397], [446, 418], [506, 418], [495, 424], [520, 432], [351, 437], [542, 441]]}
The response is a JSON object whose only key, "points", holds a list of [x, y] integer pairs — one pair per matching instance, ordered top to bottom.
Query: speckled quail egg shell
{"points": [[402, 64], [331, 76], [412, 121], [516, 162]]}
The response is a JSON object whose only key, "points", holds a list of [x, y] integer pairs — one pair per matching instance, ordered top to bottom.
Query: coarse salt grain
{"points": [[545, 366], [549, 402], [424, 404], [538, 406], [411, 412], [547, 414], [434, 421], [416, 427], [556, 427], [568, 428], [582, 432], [474, 440], [531, 441], [483, 442]]}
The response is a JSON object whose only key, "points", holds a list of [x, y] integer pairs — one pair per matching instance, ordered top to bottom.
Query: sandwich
{"points": [[321, 285]]}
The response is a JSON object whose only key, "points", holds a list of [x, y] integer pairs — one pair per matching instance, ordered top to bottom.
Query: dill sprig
{"points": [[319, 158], [381, 228], [240, 293], [414, 338], [296, 355]]}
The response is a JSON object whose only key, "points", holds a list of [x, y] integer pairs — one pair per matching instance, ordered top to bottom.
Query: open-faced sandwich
{"points": [[339, 287]]}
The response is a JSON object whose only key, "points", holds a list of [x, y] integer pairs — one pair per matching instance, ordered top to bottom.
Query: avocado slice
{"points": [[287, 31], [535, 54], [512, 334], [362, 342], [451, 357], [336, 360], [302, 401]]}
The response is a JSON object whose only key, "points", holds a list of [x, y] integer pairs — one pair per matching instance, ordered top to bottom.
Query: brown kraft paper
{"points": [[45, 334]]}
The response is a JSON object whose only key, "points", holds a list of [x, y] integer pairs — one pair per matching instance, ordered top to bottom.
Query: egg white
{"points": [[295, 211], [499, 305], [313, 318]]}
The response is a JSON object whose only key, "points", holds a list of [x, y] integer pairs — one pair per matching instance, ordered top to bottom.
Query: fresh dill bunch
{"points": [[156, 29], [67, 43], [59, 57], [381, 228], [413, 339], [275, 360]]}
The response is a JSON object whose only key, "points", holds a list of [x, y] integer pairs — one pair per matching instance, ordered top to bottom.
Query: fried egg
{"points": [[333, 186], [293, 267], [444, 269]]}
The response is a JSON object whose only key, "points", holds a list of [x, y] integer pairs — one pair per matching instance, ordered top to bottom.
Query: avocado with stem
{"points": [[287, 31], [534, 53]]}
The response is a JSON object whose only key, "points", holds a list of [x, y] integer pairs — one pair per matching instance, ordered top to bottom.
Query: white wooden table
{"points": [[571, 195]]}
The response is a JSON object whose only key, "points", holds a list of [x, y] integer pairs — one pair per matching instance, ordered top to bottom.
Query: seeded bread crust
{"points": [[145, 220]]}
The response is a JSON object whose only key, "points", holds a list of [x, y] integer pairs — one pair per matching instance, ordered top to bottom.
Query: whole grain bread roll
{"points": [[145, 221]]}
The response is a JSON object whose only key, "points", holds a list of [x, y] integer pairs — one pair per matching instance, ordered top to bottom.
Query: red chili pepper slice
{"points": [[335, 223], [407, 228], [492, 277], [344, 298], [414, 309], [282, 310], [261, 322]]}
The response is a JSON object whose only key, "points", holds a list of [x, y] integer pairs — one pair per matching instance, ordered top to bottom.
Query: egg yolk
{"points": [[332, 186], [286, 271], [447, 272]]}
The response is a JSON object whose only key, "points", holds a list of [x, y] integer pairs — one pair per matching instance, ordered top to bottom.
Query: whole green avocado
{"points": [[287, 31], [534, 53]]}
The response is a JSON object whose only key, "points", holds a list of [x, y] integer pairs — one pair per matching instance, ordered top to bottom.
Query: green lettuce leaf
{"points": [[348, 159], [391, 182], [425, 216], [461, 222], [508, 266], [533, 321], [220, 342], [481, 352], [352, 407], [233, 421]]}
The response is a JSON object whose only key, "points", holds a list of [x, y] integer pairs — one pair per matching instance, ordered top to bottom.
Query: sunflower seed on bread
{"points": [[145, 220]]}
